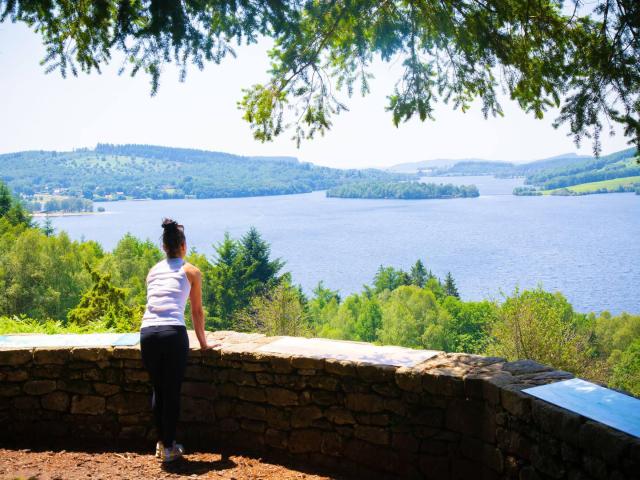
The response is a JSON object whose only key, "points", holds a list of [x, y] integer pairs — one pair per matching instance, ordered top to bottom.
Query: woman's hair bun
{"points": [[169, 224], [172, 237]]}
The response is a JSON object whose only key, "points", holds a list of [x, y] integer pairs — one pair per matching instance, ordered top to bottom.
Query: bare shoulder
{"points": [[192, 271]]}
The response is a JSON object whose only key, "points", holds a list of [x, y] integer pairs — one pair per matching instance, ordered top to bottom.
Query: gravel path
{"points": [[50, 465]]}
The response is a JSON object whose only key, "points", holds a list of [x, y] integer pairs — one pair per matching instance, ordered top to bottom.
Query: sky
{"points": [[42, 111]]}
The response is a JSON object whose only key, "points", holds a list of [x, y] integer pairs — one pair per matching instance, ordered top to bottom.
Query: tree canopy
{"points": [[582, 58]]}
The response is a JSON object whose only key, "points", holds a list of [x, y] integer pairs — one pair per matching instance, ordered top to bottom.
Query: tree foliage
{"points": [[582, 58], [402, 190], [105, 303], [542, 326]]}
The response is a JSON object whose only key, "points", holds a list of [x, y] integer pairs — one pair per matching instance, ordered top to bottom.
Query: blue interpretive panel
{"points": [[69, 340], [346, 350], [603, 405]]}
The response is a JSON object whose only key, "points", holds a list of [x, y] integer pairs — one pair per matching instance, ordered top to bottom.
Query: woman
{"points": [[163, 335]]}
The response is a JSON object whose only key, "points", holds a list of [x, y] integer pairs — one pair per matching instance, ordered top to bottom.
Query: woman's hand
{"points": [[209, 345]]}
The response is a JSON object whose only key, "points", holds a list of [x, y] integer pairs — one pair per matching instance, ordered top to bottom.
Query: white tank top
{"points": [[167, 291]]}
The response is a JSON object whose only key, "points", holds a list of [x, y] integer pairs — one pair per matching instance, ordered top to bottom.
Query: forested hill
{"points": [[617, 165], [147, 171]]}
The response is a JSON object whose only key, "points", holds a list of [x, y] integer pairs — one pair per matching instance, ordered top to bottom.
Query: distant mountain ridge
{"points": [[440, 166], [149, 171]]}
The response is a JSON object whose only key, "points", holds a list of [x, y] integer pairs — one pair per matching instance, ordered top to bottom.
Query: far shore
{"points": [[65, 214]]}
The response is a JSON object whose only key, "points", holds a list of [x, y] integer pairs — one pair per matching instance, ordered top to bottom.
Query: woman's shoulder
{"points": [[191, 270]]}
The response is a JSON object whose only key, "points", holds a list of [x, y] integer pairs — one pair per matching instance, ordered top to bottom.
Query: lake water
{"points": [[586, 247]]}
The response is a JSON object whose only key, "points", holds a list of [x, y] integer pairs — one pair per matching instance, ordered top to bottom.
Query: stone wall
{"points": [[452, 416]]}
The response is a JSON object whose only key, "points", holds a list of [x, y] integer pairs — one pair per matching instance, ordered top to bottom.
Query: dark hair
{"points": [[173, 237]]}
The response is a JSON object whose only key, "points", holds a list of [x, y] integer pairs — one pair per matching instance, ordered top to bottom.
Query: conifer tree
{"points": [[418, 274], [450, 286]]}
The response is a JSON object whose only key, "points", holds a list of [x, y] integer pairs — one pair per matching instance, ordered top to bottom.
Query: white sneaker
{"points": [[159, 448], [172, 454]]}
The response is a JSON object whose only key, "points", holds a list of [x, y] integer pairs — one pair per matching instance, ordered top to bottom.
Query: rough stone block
{"points": [[127, 353], [90, 354], [15, 356], [58, 356], [307, 363], [281, 365], [253, 367], [524, 367], [342, 368], [200, 373], [376, 373], [16, 376], [136, 376], [264, 378], [408, 379], [293, 382], [323, 382], [444, 382], [75, 386], [39, 387], [105, 389], [199, 389], [387, 389], [229, 390], [252, 394], [281, 396], [325, 397], [56, 401], [364, 402], [515, 402], [26, 403], [126, 403], [87, 405], [396, 406], [196, 410], [251, 411], [304, 416], [339, 416], [431, 417], [471, 417], [278, 418], [228, 425], [254, 426], [132, 432], [371, 434], [276, 438], [305, 440], [603, 441], [404, 442], [514, 442], [332, 444], [435, 447], [373, 457], [547, 464], [434, 466], [595, 467]]}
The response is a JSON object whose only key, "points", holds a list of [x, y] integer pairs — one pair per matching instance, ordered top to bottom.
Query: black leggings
{"points": [[164, 354]]}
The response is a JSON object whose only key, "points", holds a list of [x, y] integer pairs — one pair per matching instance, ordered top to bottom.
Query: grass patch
{"points": [[612, 184]]}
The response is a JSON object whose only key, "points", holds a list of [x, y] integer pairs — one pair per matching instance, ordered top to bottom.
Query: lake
{"points": [[586, 247]]}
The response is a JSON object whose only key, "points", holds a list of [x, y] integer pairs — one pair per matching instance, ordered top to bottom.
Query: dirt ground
{"points": [[49, 465]]}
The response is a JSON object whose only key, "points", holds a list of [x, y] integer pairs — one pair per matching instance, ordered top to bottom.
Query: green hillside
{"points": [[617, 165], [146, 171], [626, 184]]}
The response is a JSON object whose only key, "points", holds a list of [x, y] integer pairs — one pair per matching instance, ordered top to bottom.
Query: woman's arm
{"points": [[197, 312]]}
